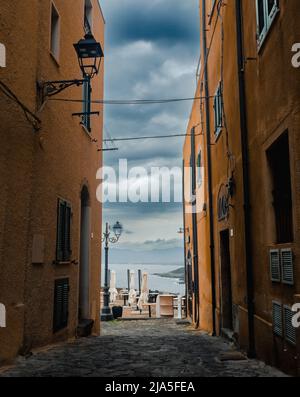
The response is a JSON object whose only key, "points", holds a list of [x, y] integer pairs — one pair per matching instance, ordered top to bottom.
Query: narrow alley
{"points": [[143, 348]]}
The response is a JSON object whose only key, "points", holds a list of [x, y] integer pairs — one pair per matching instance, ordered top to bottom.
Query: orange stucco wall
{"points": [[273, 99], [37, 168]]}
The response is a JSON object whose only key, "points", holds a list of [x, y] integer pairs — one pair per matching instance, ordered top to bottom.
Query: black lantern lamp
{"points": [[89, 53], [117, 229]]}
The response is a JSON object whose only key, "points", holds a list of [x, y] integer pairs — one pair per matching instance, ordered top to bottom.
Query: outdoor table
{"points": [[125, 296], [149, 307]]}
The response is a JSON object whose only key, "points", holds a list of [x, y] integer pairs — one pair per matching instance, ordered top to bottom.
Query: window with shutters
{"points": [[266, 10], [218, 111], [279, 161], [63, 239], [275, 265], [287, 266], [61, 304], [277, 318], [289, 329]]}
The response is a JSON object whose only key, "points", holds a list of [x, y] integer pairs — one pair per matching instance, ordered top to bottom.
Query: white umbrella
{"points": [[113, 290], [132, 291], [144, 291]]}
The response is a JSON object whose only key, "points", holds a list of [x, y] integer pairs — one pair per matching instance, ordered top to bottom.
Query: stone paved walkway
{"points": [[140, 348]]}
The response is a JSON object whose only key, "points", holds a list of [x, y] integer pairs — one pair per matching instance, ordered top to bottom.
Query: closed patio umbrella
{"points": [[113, 290], [132, 291], [144, 291]]}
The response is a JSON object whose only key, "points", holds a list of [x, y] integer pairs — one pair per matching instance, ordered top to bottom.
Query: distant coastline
{"points": [[177, 274]]}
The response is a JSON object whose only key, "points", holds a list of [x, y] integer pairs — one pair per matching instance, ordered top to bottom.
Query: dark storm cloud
{"points": [[164, 20], [151, 51]]}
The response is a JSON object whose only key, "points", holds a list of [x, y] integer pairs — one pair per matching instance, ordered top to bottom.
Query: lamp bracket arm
{"points": [[51, 88], [113, 240]]}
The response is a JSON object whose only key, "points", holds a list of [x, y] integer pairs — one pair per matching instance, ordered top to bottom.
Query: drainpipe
{"points": [[209, 168], [246, 178], [195, 231]]}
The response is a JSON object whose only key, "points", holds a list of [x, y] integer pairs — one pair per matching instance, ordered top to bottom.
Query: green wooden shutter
{"points": [[65, 303], [61, 304], [57, 309]]}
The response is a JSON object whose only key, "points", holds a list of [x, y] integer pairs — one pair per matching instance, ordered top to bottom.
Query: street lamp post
{"points": [[106, 314]]}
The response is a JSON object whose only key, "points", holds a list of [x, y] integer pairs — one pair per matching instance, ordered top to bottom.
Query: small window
{"points": [[266, 11], [88, 16], [55, 33], [218, 111], [86, 118], [279, 160], [199, 169], [63, 240], [61, 304]]}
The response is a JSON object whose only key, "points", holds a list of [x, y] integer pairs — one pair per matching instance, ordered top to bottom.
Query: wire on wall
{"points": [[30, 116]]}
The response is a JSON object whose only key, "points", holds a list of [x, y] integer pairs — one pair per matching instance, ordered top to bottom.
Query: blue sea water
{"points": [[162, 284]]}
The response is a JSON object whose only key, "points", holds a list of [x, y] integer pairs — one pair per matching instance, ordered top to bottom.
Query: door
{"points": [[84, 267], [226, 284]]}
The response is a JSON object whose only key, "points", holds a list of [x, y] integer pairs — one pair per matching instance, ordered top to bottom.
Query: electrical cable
{"points": [[130, 101], [28, 113], [138, 138]]}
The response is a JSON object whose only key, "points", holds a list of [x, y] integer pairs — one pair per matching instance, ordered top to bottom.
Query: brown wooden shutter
{"points": [[60, 231], [67, 233]]}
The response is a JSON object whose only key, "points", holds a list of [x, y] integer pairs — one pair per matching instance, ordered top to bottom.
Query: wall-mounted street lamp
{"points": [[89, 54], [106, 314]]}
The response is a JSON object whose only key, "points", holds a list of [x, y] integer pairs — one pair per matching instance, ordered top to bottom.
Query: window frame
{"points": [[88, 16], [268, 21], [55, 53], [218, 111], [199, 169]]}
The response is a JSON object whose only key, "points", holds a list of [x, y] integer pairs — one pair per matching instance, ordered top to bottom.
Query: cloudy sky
{"points": [[151, 51]]}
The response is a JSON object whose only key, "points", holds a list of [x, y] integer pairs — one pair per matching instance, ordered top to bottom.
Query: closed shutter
{"points": [[60, 231], [67, 233], [63, 240], [275, 265], [287, 266], [61, 304], [277, 318], [289, 330]]}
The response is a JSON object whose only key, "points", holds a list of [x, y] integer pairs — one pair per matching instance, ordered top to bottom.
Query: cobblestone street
{"points": [[147, 348]]}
